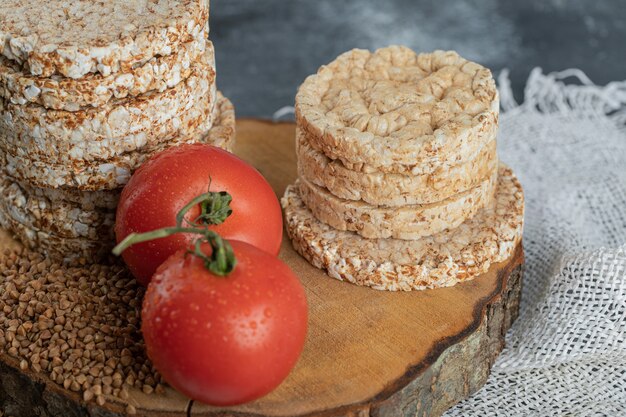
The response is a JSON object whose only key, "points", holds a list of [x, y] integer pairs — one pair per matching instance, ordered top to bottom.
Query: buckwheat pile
{"points": [[87, 94], [399, 185], [78, 325]]}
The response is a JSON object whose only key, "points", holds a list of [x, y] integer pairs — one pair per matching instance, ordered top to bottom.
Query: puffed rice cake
{"points": [[73, 39], [96, 90], [396, 111], [121, 126], [223, 133], [115, 172], [393, 190], [84, 200], [57, 217], [408, 222], [70, 224], [66, 249], [440, 260]]}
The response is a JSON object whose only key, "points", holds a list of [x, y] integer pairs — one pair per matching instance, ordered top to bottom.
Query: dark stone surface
{"points": [[266, 48]]}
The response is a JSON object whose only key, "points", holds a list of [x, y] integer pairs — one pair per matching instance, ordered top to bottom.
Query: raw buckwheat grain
{"points": [[78, 325]]}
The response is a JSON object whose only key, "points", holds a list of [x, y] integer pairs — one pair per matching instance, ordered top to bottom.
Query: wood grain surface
{"points": [[368, 352]]}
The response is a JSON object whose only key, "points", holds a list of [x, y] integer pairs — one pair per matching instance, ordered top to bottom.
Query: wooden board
{"points": [[368, 353]]}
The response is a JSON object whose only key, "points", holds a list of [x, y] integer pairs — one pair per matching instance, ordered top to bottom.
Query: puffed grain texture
{"points": [[74, 38], [96, 90], [396, 111], [127, 125], [223, 132], [91, 176], [98, 177], [393, 190], [100, 200], [60, 218], [407, 222], [58, 248], [441, 260]]}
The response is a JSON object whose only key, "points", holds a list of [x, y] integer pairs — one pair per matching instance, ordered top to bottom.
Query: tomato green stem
{"points": [[214, 206], [134, 238], [221, 261]]}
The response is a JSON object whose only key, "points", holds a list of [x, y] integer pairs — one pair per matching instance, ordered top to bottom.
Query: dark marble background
{"points": [[265, 48]]}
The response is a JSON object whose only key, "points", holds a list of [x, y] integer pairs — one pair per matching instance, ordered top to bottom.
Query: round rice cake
{"points": [[73, 39], [96, 90], [396, 111], [121, 126], [223, 132], [114, 173], [87, 176], [393, 190], [99, 200], [56, 217], [406, 222], [57, 248], [440, 260]]}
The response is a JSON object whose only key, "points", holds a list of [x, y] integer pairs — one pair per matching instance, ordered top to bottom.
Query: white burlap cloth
{"points": [[566, 353]]}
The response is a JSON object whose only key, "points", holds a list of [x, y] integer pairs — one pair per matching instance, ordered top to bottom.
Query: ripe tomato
{"points": [[162, 186], [224, 340]]}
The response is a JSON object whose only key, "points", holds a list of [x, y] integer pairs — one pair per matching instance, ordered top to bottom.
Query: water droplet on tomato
{"points": [[194, 307], [267, 312], [252, 324]]}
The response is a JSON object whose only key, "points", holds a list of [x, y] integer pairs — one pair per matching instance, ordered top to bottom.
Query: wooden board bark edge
{"points": [[457, 367], [458, 371], [28, 394]]}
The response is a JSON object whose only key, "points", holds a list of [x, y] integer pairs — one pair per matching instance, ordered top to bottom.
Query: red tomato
{"points": [[161, 187], [224, 340]]}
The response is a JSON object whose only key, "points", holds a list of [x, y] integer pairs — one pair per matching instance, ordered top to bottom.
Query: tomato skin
{"points": [[166, 183], [225, 340]]}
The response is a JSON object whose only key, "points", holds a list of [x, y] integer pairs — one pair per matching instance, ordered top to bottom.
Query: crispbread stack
{"points": [[88, 92], [399, 183]]}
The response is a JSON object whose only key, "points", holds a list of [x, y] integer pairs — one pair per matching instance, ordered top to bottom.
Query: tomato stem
{"points": [[215, 208], [134, 238], [221, 261]]}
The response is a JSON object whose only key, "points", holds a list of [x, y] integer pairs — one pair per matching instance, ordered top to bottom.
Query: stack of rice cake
{"points": [[89, 91], [399, 183]]}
